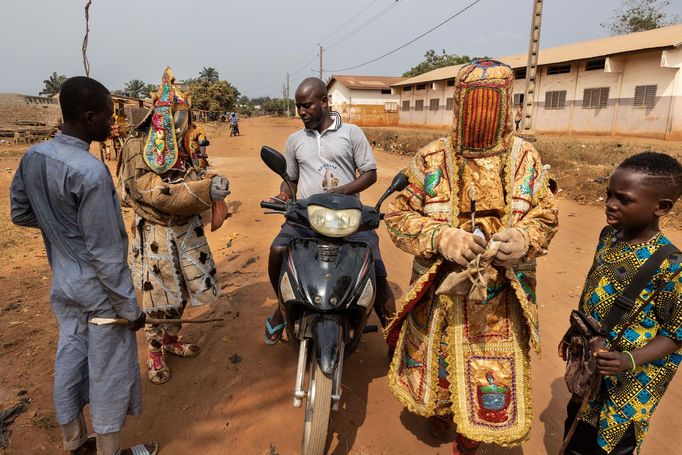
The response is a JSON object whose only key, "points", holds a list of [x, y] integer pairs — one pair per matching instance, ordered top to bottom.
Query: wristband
{"points": [[632, 359]]}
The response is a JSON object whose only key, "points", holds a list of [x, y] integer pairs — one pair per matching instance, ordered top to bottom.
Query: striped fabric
{"points": [[481, 119]]}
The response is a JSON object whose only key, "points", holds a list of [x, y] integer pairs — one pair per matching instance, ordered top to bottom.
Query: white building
{"points": [[628, 85], [364, 100]]}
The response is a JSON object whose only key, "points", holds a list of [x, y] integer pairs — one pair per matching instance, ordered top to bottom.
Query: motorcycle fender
{"points": [[327, 335]]}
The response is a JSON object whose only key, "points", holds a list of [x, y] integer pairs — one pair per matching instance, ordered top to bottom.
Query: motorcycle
{"points": [[234, 129], [326, 293]]}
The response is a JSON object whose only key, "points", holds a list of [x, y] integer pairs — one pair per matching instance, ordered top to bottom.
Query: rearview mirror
{"points": [[275, 161], [398, 184]]}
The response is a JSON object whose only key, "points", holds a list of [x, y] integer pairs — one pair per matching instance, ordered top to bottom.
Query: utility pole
{"points": [[321, 50], [532, 67], [286, 99]]}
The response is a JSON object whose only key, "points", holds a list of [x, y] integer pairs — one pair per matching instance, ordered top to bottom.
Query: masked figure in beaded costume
{"points": [[169, 256], [457, 357]]}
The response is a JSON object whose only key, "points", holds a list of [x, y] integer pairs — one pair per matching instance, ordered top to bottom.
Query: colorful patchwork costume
{"points": [[169, 256], [457, 357], [632, 396]]}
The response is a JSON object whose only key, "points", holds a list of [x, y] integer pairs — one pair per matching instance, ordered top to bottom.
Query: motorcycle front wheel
{"points": [[317, 410]]}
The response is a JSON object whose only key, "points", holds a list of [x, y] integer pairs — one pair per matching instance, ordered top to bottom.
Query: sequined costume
{"points": [[170, 259], [454, 356], [632, 396]]}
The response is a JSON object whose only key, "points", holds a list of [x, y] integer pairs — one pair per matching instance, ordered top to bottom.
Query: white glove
{"points": [[220, 188], [514, 244], [460, 246]]}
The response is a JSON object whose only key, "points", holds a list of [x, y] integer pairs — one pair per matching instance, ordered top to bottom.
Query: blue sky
{"points": [[254, 43]]}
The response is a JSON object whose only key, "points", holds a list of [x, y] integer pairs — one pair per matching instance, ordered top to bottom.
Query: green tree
{"points": [[639, 16], [432, 61], [209, 75], [53, 84], [134, 88], [149, 90], [220, 96]]}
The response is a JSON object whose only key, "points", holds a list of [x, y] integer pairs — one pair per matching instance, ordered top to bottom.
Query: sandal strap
{"points": [[272, 330], [139, 449]]}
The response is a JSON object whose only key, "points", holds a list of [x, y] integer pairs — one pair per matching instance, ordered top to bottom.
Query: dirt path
{"points": [[235, 398]]}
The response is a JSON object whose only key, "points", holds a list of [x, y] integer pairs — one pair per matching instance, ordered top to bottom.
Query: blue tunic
{"points": [[69, 194]]}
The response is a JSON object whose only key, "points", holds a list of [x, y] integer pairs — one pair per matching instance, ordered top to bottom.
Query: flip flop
{"points": [[270, 331], [141, 449]]}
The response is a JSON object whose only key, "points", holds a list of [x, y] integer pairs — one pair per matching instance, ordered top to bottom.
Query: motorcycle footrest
{"points": [[369, 328]]}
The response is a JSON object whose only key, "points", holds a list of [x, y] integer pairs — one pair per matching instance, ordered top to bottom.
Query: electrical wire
{"points": [[470, 5], [365, 25]]}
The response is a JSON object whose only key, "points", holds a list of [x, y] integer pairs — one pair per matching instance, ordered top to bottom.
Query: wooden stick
{"points": [[154, 321]]}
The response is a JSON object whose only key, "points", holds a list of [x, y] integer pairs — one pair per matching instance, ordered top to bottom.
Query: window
{"points": [[596, 64], [558, 69], [520, 73], [451, 83], [420, 87], [407, 88], [386, 91], [645, 95], [518, 98], [595, 98], [555, 100], [449, 103], [434, 104], [406, 105], [419, 105], [390, 106]]}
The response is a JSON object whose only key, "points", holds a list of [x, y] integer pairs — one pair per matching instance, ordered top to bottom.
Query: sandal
{"points": [[272, 334], [173, 345], [157, 370], [465, 446], [89, 447], [142, 449]]}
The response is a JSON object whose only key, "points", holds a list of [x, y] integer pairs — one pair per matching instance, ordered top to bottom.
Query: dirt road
{"points": [[235, 398]]}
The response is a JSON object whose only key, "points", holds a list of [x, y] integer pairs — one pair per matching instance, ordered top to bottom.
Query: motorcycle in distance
{"points": [[234, 129], [326, 293]]}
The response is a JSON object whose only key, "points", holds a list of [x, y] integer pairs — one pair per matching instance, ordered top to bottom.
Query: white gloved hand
{"points": [[220, 188], [514, 244], [460, 246]]}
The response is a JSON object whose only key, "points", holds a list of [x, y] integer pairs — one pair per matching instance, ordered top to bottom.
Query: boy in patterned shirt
{"points": [[641, 364]]}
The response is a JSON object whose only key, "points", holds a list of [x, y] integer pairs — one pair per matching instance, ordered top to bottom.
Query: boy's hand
{"points": [[612, 362]]}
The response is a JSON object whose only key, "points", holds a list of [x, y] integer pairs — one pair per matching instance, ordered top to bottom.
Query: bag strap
{"points": [[627, 299]]}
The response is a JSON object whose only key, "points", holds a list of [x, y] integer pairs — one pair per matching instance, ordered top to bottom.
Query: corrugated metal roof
{"points": [[666, 37], [365, 82]]}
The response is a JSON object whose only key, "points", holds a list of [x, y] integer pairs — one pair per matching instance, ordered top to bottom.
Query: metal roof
{"points": [[661, 38], [365, 82]]}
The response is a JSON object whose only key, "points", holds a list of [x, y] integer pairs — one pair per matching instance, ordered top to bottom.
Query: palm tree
{"points": [[209, 75], [53, 85], [134, 88], [149, 90]]}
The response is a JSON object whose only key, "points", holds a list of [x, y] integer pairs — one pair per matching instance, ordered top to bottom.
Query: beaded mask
{"points": [[170, 112], [482, 122]]}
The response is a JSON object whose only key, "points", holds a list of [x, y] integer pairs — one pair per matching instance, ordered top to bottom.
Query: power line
{"points": [[348, 21], [365, 25], [409, 42]]}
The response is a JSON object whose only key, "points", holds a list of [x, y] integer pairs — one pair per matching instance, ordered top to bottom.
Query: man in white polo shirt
{"points": [[326, 156]]}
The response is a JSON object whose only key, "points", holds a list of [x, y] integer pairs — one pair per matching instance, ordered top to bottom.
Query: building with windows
{"points": [[629, 85], [364, 100]]}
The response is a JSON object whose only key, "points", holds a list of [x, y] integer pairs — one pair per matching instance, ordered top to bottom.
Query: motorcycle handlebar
{"points": [[273, 206]]}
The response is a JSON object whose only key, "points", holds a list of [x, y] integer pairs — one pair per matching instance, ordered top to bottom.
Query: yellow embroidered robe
{"points": [[453, 356]]}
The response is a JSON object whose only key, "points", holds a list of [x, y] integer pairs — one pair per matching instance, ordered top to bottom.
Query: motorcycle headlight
{"points": [[333, 223]]}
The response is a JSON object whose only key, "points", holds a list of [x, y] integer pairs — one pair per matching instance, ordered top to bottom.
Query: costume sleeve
{"points": [[362, 151], [292, 160], [148, 188], [22, 212], [541, 222], [410, 229], [106, 243], [669, 303]]}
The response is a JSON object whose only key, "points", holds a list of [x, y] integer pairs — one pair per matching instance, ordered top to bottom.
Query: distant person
{"points": [[518, 116], [69, 195], [639, 366]]}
